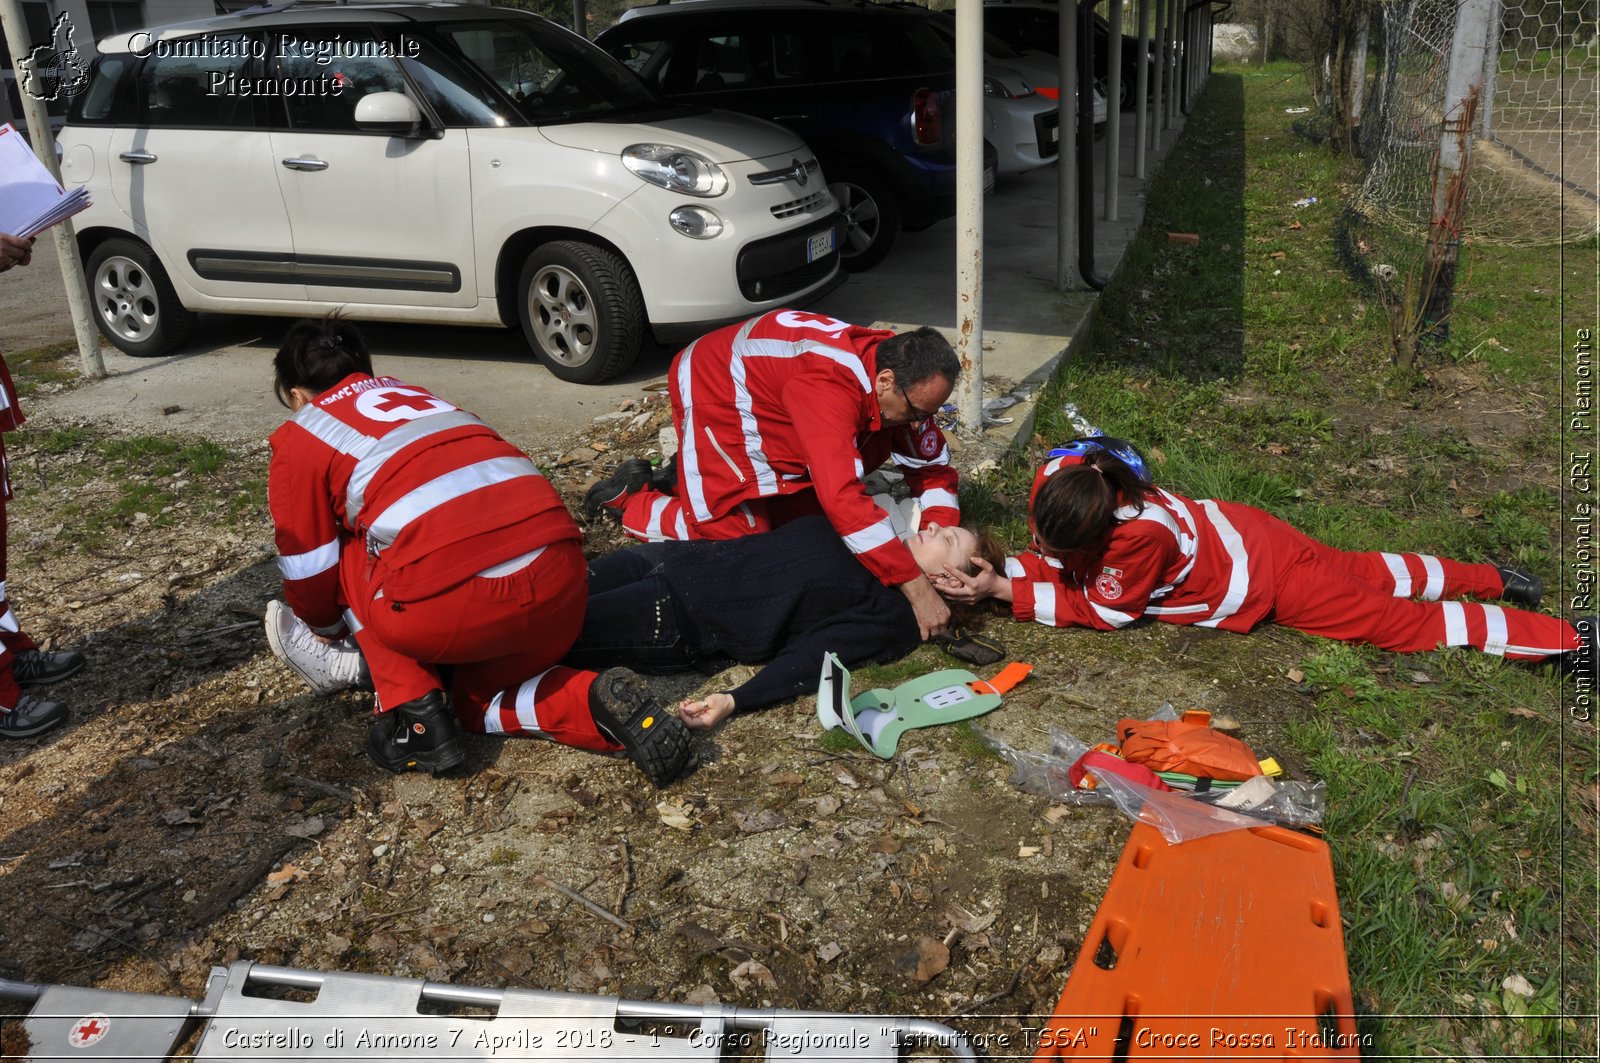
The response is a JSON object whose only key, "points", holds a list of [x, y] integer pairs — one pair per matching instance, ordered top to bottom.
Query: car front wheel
{"points": [[871, 217], [135, 306], [581, 310]]}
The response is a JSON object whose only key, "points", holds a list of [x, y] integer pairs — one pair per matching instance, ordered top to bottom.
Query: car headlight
{"points": [[993, 86], [675, 169], [699, 223]]}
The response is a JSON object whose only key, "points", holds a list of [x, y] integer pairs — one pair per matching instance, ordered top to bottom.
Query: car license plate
{"points": [[819, 245]]}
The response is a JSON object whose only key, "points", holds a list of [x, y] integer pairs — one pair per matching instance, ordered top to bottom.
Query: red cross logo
{"points": [[404, 400], [399, 404], [88, 1030]]}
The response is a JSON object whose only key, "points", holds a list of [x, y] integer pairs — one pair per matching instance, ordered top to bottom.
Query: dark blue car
{"points": [[870, 89]]}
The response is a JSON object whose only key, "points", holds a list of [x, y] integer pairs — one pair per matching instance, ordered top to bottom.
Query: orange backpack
{"points": [[1188, 746]]}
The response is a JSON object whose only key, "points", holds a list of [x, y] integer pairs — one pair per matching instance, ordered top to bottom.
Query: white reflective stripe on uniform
{"points": [[744, 347], [334, 432], [391, 443], [941, 458], [1052, 466], [861, 471], [766, 479], [694, 485], [436, 492], [938, 496], [651, 532], [871, 537], [1188, 537], [310, 563], [516, 564], [1014, 569], [1239, 577], [1402, 577], [1435, 584], [2, 590], [1044, 603], [1175, 610], [1114, 617], [8, 622], [351, 622], [1455, 623], [1494, 634], [522, 703]]}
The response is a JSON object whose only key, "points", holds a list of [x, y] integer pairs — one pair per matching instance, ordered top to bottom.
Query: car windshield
{"points": [[552, 76]]}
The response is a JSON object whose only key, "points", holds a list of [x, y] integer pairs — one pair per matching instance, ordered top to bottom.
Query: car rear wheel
{"points": [[871, 217], [134, 303], [582, 311]]}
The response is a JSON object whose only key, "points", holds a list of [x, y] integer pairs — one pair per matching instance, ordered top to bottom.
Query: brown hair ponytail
{"points": [[1075, 509]]}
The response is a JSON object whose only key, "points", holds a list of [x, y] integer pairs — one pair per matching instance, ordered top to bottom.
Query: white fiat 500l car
{"points": [[448, 164]]}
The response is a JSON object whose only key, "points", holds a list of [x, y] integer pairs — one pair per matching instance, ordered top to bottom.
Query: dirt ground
{"points": [[203, 806]]}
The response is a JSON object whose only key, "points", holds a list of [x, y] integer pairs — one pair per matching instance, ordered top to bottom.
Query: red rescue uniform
{"points": [[776, 419], [436, 542], [1231, 566], [13, 639]]}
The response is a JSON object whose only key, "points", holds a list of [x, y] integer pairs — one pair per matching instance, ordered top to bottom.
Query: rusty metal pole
{"points": [[15, 29], [1463, 83], [1113, 109], [969, 211]]}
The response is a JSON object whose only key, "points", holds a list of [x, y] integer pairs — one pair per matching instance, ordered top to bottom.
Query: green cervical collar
{"points": [[879, 717]]}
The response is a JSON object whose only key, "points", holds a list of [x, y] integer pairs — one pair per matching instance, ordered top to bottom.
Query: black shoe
{"points": [[632, 476], [665, 479], [1521, 588], [35, 667], [33, 715], [419, 734], [655, 739]]}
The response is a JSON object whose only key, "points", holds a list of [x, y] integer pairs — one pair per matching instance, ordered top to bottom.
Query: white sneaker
{"points": [[328, 667]]}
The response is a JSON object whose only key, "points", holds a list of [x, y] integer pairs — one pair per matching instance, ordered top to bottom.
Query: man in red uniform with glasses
{"points": [[782, 416]]}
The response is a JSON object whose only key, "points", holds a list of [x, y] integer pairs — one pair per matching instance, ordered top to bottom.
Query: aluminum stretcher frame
{"points": [[363, 1016]]}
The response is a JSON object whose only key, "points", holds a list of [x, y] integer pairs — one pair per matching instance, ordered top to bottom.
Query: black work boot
{"points": [[632, 476], [665, 479], [1521, 588], [36, 667], [32, 715], [421, 734], [655, 739]]}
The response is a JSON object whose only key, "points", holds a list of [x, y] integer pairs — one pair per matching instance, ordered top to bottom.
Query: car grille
{"points": [[1044, 124], [774, 177], [799, 206], [776, 267], [760, 289]]}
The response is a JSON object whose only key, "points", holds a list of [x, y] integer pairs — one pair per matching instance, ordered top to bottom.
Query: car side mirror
{"points": [[394, 113]]}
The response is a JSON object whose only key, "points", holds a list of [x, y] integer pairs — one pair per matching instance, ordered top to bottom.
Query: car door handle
{"points": [[790, 117], [138, 158], [305, 164]]}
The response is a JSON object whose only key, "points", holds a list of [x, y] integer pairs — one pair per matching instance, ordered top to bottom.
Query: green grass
{"points": [[1253, 367], [125, 483]]}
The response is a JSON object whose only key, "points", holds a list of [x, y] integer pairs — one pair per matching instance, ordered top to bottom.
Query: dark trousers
{"points": [[634, 620]]}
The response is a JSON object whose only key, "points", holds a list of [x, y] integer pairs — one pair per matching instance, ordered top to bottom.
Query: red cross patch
{"points": [[928, 442], [1107, 586], [89, 1029]]}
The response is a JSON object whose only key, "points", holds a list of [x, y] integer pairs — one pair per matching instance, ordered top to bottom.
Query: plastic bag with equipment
{"points": [[1179, 816]]}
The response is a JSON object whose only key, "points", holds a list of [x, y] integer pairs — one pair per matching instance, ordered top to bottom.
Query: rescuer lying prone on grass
{"points": [[1109, 548]]}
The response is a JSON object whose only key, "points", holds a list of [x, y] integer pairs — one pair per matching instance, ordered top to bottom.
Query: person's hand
{"points": [[14, 251], [985, 583], [933, 615], [704, 715]]}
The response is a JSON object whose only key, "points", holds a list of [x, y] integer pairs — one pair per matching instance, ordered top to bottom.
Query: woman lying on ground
{"points": [[415, 526], [1109, 547], [784, 598]]}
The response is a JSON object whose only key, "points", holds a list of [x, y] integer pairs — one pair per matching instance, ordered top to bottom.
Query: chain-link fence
{"points": [[1533, 121]]}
